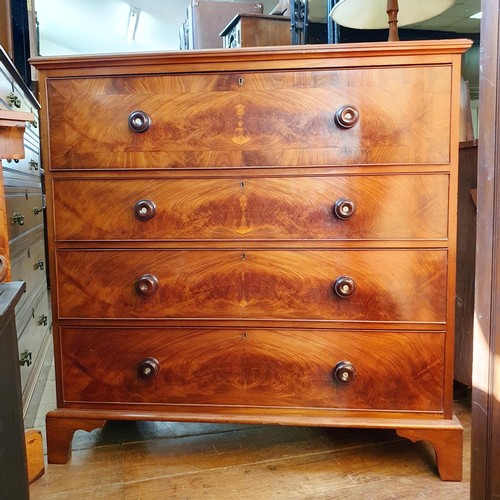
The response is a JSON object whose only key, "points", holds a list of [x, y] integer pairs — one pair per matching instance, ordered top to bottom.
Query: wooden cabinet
{"points": [[205, 19], [254, 30], [24, 228], [267, 238], [14, 477]]}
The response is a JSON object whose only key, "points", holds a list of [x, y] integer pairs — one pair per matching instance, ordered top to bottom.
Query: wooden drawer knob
{"points": [[347, 116], [139, 121], [344, 208], [145, 210], [147, 284], [344, 286], [149, 368], [344, 372]]}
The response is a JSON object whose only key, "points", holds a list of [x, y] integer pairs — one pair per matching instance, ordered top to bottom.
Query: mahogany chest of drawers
{"points": [[255, 235]]}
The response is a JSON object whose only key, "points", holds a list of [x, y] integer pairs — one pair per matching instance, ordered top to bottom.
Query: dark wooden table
{"points": [[13, 469]]}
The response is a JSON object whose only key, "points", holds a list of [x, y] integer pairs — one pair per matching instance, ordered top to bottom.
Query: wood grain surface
{"points": [[241, 119], [248, 208], [391, 285], [293, 368]]}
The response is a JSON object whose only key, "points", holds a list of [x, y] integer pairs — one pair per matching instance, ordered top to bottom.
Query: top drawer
{"points": [[14, 97], [275, 119]]}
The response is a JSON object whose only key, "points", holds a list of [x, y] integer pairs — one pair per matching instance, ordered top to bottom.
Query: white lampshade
{"points": [[372, 14]]}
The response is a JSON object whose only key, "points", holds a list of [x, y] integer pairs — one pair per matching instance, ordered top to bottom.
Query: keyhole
{"points": [[241, 81]]}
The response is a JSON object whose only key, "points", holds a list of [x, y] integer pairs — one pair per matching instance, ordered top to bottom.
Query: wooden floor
{"points": [[154, 460]]}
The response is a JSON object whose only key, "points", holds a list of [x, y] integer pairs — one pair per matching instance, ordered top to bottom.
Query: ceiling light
{"points": [[478, 15], [133, 21]]}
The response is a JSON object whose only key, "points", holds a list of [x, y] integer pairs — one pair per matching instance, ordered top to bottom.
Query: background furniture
{"points": [[205, 20], [254, 30], [258, 30], [23, 206], [268, 238], [466, 257], [485, 466], [14, 476]]}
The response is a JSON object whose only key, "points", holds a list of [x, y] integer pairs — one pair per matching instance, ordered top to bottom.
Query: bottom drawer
{"points": [[31, 340], [254, 368]]}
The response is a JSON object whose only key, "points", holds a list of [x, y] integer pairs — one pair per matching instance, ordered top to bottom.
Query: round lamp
{"points": [[376, 14]]}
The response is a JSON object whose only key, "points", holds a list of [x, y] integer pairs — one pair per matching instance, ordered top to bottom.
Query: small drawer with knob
{"points": [[239, 119], [27, 169], [24, 208], [339, 208], [28, 264], [287, 285], [35, 322], [327, 369]]}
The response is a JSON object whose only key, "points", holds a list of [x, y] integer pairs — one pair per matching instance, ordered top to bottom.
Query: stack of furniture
{"points": [[205, 19], [254, 30], [23, 222], [259, 236]]}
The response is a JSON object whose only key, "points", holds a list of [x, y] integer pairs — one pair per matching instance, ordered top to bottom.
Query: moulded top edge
{"points": [[342, 50]]}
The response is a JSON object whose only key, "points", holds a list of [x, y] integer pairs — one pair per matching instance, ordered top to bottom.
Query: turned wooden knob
{"points": [[347, 116], [139, 121], [344, 208], [145, 210], [147, 284], [344, 286], [149, 368], [344, 372]]}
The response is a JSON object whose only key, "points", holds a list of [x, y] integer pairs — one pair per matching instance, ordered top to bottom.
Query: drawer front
{"points": [[14, 98], [252, 119], [29, 166], [324, 208], [24, 209], [29, 265], [387, 285], [32, 338], [290, 368]]}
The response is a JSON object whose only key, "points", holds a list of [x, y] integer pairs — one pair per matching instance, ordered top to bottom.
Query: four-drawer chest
{"points": [[255, 235]]}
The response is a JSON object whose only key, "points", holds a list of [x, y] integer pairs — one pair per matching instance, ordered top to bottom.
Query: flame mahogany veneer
{"points": [[259, 236]]}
